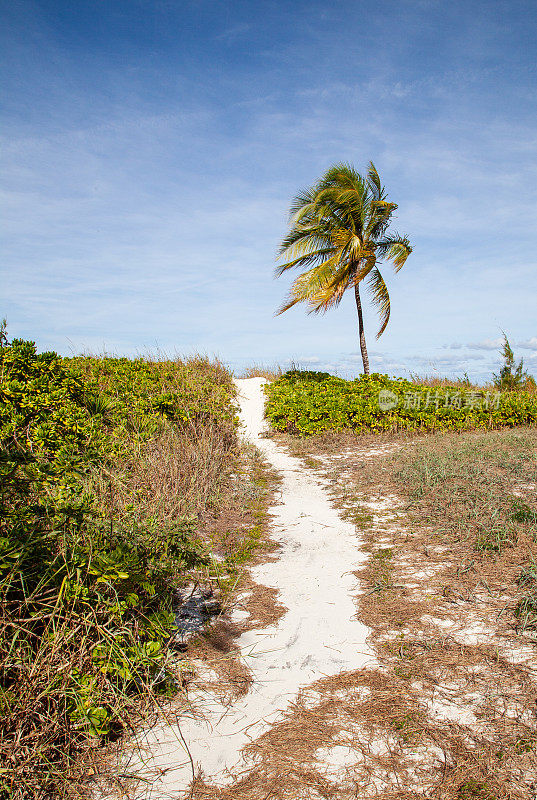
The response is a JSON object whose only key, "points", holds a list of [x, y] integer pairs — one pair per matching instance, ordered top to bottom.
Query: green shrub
{"points": [[512, 376], [308, 403]]}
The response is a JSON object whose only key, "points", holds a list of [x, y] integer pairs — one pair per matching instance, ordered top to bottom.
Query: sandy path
{"points": [[318, 636]]}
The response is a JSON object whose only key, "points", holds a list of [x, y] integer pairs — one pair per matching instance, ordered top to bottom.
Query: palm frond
{"points": [[342, 176], [373, 181], [302, 200], [381, 212], [332, 213], [303, 240], [395, 248], [311, 259], [367, 263], [340, 271], [322, 286], [311, 287], [324, 294], [380, 298], [327, 299], [292, 301]]}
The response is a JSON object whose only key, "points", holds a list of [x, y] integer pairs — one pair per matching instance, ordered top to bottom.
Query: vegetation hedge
{"points": [[307, 403], [86, 581]]}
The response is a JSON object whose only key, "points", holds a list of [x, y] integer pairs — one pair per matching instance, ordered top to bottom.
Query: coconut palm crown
{"points": [[338, 236]]}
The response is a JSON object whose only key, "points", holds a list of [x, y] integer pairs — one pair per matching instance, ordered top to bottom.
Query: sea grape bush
{"points": [[136, 392], [307, 403]]}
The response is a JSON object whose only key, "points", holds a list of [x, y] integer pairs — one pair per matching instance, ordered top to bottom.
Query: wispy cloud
{"points": [[234, 32], [486, 344], [529, 344]]}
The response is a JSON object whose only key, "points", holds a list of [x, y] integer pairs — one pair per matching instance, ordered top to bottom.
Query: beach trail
{"points": [[317, 636]]}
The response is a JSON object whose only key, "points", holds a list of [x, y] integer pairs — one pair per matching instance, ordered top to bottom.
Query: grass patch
{"points": [[258, 370], [464, 485], [358, 515], [475, 790]]}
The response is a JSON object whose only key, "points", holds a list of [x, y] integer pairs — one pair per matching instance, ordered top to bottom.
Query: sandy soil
{"points": [[318, 636]]}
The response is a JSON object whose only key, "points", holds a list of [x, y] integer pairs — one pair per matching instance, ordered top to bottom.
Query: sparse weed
{"points": [[495, 539], [526, 608], [475, 790]]}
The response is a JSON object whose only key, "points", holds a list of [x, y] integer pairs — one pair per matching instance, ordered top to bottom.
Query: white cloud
{"points": [[486, 344], [445, 360]]}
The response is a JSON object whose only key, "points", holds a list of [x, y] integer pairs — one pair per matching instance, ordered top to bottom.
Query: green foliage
{"points": [[512, 376], [138, 392], [308, 403], [523, 513], [85, 591], [473, 789]]}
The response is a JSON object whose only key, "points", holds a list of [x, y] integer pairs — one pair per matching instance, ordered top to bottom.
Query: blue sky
{"points": [[151, 151]]}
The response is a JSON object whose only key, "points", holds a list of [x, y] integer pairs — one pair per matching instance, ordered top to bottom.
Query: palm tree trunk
{"points": [[363, 347]]}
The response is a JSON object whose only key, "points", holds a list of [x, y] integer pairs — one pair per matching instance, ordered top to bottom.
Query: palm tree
{"points": [[338, 232]]}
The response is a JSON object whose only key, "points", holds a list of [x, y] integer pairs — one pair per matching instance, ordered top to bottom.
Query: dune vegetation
{"points": [[115, 473], [449, 526]]}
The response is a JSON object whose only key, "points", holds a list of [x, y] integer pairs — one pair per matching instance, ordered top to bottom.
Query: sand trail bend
{"points": [[317, 636]]}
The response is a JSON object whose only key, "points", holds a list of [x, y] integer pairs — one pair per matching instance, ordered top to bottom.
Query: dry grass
{"points": [[270, 372], [442, 381], [188, 471], [471, 486], [447, 714], [379, 726], [42, 750]]}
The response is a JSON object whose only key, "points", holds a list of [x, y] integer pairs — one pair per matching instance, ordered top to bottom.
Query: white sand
{"points": [[318, 635]]}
